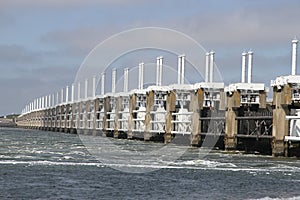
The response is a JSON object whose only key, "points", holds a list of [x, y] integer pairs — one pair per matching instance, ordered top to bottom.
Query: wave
{"points": [[207, 163], [193, 164], [278, 198]]}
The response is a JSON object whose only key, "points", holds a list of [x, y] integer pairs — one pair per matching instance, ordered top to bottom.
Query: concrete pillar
{"points": [[294, 56], [212, 62], [207, 67], [94, 87], [262, 99], [282, 99], [233, 102], [132, 104], [222, 105], [195, 106], [79, 108], [107, 108], [149, 108], [170, 108], [67, 110], [87, 116], [96, 116], [56, 118], [61, 118], [46, 119], [50, 119], [53, 119], [73, 119], [116, 119]]}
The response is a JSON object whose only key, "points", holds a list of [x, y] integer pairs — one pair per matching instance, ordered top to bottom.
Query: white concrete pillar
{"points": [[294, 56], [212, 60], [250, 63], [206, 67], [182, 68], [157, 70], [160, 70], [179, 70], [141, 75], [243, 78], [126, 79], [113, 80], [103, 83], [86, 87], [94, 87], [78, 91], [72, 93], [67, 94], [62, 95], [46, 101], [53, 102], [57, 102], [40, 103], [43, 103]]}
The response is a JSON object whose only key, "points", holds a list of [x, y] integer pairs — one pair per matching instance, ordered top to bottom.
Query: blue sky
{"points": [[43, 42]]}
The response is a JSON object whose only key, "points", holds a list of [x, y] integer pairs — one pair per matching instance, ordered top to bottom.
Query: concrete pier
{"points": [[285, 103], [149, 108], [170, 109]]}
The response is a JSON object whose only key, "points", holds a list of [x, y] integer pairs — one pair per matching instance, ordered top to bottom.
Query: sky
{"points": [[43, 43]]}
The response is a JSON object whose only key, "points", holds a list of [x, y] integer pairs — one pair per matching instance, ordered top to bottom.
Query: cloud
{"points": [[63, 4], [6, 20], [255, 25], [266, 27], [76, 41], [17, 54], [31, 83]]}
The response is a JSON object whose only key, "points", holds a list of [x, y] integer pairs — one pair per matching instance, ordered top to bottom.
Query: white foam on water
{"points": [[48, 163], [207, 163], [191, 164], [278, 198]]}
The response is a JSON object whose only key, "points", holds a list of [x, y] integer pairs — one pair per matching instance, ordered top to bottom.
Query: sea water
{"points": [[47, 165]]}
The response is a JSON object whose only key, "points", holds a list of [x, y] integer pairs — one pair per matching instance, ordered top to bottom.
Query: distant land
{"points": [[8, 120]]}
